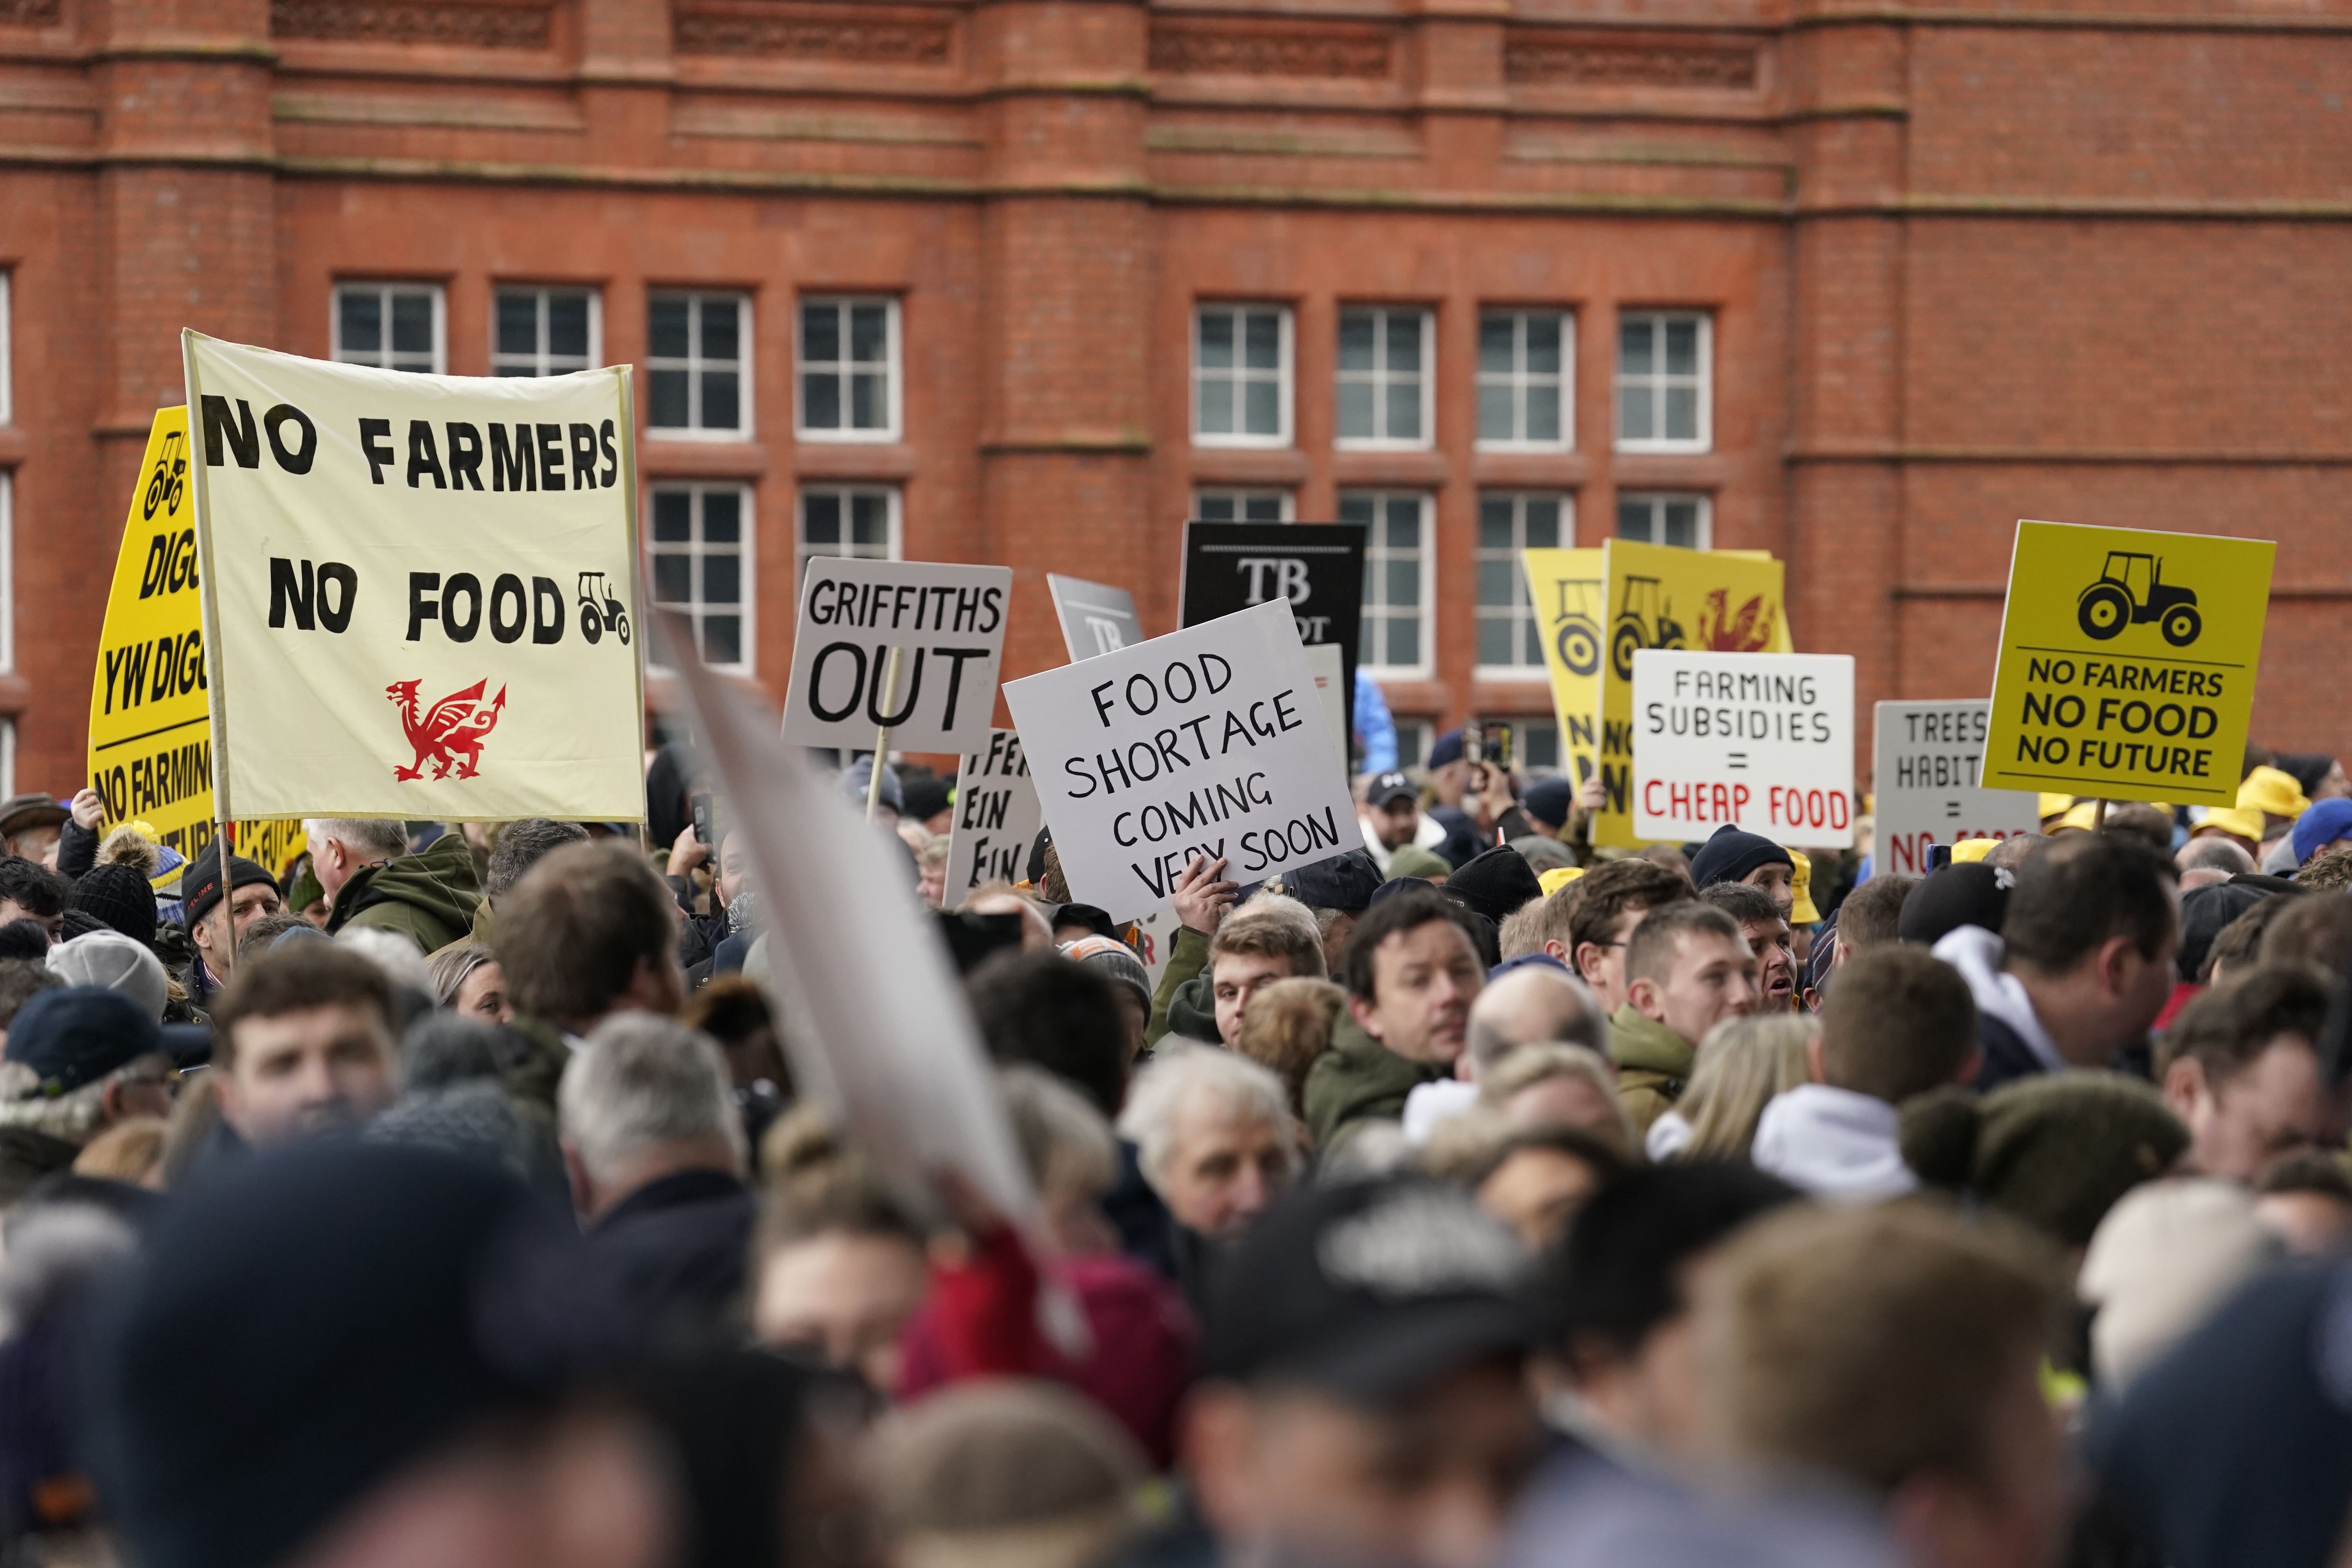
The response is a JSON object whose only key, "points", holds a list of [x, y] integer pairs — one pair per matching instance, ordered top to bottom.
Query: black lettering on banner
{"points": [[244, 442], [376, 445], [464, 455], [424, 456], [551, 456], [583, 456], [612, 459], [298, 460], [512, 468], [171, 564], [470, 586], [287, 592], [420, 608], [546, 612], [337, 615], [501, 628], [816, 682]]}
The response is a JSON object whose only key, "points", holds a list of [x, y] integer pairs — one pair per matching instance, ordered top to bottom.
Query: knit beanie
{"points": [[1549, 801], [1731, 853], [1412, 861], [1495, 883], [1971, 894], [120, 897], [1115, 961], [117, 963], [2056, 1150]]}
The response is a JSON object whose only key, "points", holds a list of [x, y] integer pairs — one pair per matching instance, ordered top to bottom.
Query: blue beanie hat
{"points": [[2322, 825], [1731, 853]]}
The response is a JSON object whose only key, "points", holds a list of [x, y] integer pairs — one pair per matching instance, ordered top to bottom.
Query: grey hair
{"points": [[369, 835], [2220, 854], [394, 953], [1176, 1077], [642, 1082], [1064, 1139]]}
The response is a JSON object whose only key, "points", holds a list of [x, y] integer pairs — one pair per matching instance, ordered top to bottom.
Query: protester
{"points": [[1390, 819], [29, 826], [521, 844], [1733, 854], [371, 882], [118, 897], [1604, 907], [218, 911], [1872, 913], [1766, 932], [589, 935], [1268, 939], [106, 958], [1686, 969], [1412, 973], [469, 982], [1531, 1004], [1042, 1009], [1897, 1024], [1286, 1025], [303, 1043], [79, 1059], [1743, 1063], [2241, 1068], [1552, 1084], [1215, 1139], [1538, 1179], [2307, 1201], [2164, 1258], [837, 1266]]}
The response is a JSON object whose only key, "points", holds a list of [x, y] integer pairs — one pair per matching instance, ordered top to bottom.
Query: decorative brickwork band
{"points": [[31, 13], [412, 22], [869, 42], [1195, 51], [1558, 63]]}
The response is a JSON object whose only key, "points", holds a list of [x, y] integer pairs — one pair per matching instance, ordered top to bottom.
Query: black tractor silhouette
{"points": [[2131, 591], [595, 619], [1645, 620], [1575, 631]]}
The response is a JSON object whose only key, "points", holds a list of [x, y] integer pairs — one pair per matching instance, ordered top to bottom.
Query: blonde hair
{"points": [[1286, 1025], [1742, 1064], [1530, 1065], [130, 1151]]}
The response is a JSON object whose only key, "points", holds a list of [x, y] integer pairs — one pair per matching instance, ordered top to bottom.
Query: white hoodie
{"points": [[1976, 953], [1838, 1145]]}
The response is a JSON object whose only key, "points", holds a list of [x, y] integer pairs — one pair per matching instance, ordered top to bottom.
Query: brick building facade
{"points": [[1031, 281]]}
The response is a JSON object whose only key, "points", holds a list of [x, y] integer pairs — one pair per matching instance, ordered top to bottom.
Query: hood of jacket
{"points": [[438, 881], [1977, 953], [1192, 1011], [1642, 1044], [1360, 1079], [1838, 1145]]}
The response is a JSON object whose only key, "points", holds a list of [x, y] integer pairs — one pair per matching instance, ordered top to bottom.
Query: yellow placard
{"points": [[1564, 586], [1658, 597], [2128, 662], [150, 708]]}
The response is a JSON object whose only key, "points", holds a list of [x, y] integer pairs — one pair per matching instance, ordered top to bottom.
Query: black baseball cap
{"points": [[1388, 787], [1368, 1291]]}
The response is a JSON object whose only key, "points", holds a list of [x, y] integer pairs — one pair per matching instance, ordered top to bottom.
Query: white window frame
{"points": [[385, 291], [7, 354], [540, 358], [891, 360], [694, 365], [1286, 374], [1379, 377], [1519, 379], [1657, 382], [1239, 494], [894, 500], [1656, 501], [746, 548], [1376, 554], [7, 571], [1523, 610], [8, 755]]}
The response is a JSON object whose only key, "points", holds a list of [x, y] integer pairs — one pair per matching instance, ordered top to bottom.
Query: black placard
{"points": [[1318, 566]]}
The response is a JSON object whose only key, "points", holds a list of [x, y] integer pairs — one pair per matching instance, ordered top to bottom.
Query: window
{"points": [[392, 326], [545, 332], [693, 360], [1664, 361], [849, 370], [1241, 375], [1384, 385], [1525, 394], [1241, 506], [1680, 520], [860, 521], [702, 553], [1397, 579], [1510, 640], [1413, 742], [1535, 742]]}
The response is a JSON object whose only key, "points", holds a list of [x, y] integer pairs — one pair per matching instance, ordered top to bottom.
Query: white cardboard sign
{"points": [[948, 623], [1761, 739], [1209, 741], [1928, 757], [996, 816]]}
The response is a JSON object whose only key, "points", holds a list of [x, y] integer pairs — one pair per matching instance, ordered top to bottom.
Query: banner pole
{"points": [[882, 735], [2099, 815]]}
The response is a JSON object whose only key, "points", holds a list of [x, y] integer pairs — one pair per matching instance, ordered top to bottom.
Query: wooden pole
{"points": [[882, 736], [2099, 815]]}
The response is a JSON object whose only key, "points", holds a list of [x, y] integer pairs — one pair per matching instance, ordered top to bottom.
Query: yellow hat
{"points": [[2273, 792], [2054, 805], [2083, 815], [2243, 822], [1969, 850], [1558, 876], [1800, 880]]}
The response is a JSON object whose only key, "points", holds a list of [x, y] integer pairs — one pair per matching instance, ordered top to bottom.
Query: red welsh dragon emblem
{"points": [[451, 732]]}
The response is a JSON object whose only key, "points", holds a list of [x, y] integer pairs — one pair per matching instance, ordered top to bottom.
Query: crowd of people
{"points": [[1478, 1196]]}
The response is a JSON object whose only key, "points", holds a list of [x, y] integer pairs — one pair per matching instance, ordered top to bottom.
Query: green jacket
{"points": [[429, 897], [1188, 959], [1653, 1064], [1358, 1080]]}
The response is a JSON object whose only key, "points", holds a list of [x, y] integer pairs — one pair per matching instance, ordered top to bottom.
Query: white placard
{"points": [[1095, 618], [948, 623], [1331, 678], [1761, 739], [1209, 741], [1928, 757], [996, 816]]}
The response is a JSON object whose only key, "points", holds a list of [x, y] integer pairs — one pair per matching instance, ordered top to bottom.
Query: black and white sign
{"points": [[1316, 568], [1097, 618], [948, 623], [1761, 739], [1209, 741], [1928, 757], [996, 816]]}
